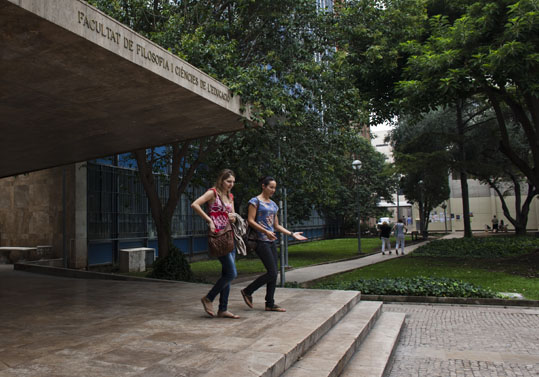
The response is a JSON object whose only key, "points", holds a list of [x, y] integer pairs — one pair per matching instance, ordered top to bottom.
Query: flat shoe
{"points": [[247, 298], [208, 306], [275, 308], [227, 314]]}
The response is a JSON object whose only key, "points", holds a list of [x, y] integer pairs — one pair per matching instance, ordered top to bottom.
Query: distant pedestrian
{"points": [[220, 211], [262, 216], [494, 224], [502, 227], [399, 230], [385, 233]]}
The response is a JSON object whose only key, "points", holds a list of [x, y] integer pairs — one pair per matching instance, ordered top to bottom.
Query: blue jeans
{"points": [[222, 286]]}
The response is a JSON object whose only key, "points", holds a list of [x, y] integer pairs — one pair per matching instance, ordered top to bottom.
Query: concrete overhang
{"points": [[76, 85]]}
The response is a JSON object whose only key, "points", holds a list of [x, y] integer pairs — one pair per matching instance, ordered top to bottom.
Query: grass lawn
{"points": [[299, 255], [512, 275]]}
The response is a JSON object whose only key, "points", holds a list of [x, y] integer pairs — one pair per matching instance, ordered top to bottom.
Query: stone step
{"points": [[277, 349], [331, 354], [374, 355]]}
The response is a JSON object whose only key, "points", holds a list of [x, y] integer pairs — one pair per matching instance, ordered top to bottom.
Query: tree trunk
{"points": [[529, 126], [180, 167], [463, 174], [162, 217], [520, 221], [164, 238]]}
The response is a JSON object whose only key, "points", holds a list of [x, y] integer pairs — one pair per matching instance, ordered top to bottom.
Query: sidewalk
{"points": [[305, 274]]}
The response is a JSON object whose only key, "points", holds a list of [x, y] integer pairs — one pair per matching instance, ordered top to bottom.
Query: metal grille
{"points": [[118, 207]]}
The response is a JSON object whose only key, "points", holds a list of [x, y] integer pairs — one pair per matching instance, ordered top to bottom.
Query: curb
{"points": [[81, 274], [451, 300]]}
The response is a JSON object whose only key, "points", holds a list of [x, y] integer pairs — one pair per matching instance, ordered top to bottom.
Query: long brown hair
{"points": [[223, 175]]}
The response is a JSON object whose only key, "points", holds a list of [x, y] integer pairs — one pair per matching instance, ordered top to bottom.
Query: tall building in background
{"points": [[400, 208]]}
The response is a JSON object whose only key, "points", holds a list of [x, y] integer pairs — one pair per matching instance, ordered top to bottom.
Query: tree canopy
{"points": [[281, 58]]}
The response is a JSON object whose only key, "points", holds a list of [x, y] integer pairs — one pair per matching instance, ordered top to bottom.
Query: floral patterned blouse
{"points": [[218, 211]]}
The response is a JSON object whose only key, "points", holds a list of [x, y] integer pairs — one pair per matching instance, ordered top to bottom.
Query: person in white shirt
{"points": [[399, 230]]}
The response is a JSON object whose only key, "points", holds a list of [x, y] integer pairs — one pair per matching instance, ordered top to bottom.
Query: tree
{"points": [[491, 49], [264, 51], [419, 55], [421, 155], [487, 163], [315, 167]]}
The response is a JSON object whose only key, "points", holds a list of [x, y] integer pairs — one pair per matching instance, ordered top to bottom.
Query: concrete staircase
{"points": [[354, 338], [361, 344]]}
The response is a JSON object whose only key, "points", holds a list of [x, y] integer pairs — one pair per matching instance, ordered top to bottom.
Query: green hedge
{"points": [[480, 247], [420, 286]]}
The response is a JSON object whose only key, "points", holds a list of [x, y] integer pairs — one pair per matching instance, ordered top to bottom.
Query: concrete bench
{"points": [[13, 254], [136, 259]]}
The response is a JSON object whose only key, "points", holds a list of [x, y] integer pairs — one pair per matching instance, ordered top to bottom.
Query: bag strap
{"points": [[223, 206]]}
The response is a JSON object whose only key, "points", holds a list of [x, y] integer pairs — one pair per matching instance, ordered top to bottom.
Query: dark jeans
{"points": [[267, 252], [222, 286]]}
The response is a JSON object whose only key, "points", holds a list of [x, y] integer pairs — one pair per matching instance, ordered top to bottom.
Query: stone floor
{"points": [[54, 326]]}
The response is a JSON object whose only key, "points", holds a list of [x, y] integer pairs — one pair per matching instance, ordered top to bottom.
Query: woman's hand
{"points": [[232, 217], [211, 225], [271, 236], [299, 236]]}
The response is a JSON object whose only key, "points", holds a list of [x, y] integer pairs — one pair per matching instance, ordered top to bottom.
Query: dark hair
{"points": [[223, 174], [266, 180]]}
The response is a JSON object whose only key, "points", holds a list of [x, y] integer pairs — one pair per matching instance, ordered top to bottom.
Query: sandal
{"points": [[247, 298], [208, 306], [275, 308], [227, 314]]}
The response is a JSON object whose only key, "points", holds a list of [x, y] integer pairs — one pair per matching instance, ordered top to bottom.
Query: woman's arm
{"points": [[197, 207], [297, 235]]}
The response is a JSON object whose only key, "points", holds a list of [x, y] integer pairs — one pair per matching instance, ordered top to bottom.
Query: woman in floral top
{"points": [[221, 210], [262, 217]]}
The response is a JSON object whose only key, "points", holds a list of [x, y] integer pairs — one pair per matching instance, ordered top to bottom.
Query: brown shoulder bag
{"points": [[222, 242]]}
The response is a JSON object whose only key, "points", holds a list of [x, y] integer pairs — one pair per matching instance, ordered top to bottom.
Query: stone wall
{"points": [[31, 209]]}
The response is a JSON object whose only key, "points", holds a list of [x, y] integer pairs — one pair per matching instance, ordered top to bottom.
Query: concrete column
{"points": [[79, 245]]}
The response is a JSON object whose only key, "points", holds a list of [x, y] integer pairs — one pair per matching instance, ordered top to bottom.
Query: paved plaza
{"points": [[54, 326], [66, 327], [454, 341]]}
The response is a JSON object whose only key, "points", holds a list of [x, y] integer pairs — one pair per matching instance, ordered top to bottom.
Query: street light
{"points": [[357, 165], [398, 192], [422, 205], [444, 206]]}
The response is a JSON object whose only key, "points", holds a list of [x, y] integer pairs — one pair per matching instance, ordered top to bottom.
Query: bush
{"points": [[482, 247], [172, 267], [292, 284], [420, 286]]}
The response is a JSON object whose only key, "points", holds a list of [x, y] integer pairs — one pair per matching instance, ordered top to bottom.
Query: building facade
{"points": [[484, 202]]}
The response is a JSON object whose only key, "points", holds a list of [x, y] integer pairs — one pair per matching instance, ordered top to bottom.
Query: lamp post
{"points": [[356, 165], [398, 193], [422, 205], [444, 206]]}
